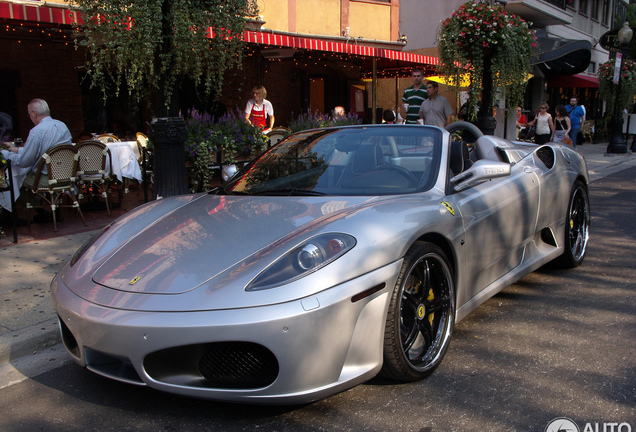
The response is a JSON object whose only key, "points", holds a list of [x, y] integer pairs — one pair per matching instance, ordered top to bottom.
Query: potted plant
{"points": [[309, 120], [215, 142]]}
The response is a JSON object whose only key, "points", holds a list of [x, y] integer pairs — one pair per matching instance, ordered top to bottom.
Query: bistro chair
{"points": [[588, 131], [276, 135], [108, 137], [61, 163], [92, 173], [7, 186]]}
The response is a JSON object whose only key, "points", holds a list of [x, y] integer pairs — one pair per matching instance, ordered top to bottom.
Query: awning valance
{"points": [[37, 12], [343, 45], [577, 81]]}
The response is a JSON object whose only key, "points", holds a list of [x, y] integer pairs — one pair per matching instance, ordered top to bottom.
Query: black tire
{"points": [[577, 227], [421, 315]]}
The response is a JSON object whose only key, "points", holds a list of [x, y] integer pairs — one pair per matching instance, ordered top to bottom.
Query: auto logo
{"points": [[449, 207], [134, 281], [421, 310], [562, 424]]}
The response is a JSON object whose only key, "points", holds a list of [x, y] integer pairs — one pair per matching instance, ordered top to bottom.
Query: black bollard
{"points": [[168, 135]]}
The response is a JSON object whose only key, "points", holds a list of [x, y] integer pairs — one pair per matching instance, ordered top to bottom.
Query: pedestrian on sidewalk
{"points": [[413, 97], [436, 110], [577, 118], [543, 124], [562, 125]]}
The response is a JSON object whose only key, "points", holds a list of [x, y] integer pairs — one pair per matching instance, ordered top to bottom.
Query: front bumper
{"points": [[320, 345]]}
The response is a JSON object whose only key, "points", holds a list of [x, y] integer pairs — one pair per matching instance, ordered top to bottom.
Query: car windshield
{"points": [[371, 160]]}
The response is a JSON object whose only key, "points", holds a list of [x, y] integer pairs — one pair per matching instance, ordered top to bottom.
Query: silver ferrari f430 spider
{"points": [[337, 255]]}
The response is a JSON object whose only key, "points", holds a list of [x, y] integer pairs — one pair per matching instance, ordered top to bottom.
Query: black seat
{"points": [[459, 157], [367, 158]]}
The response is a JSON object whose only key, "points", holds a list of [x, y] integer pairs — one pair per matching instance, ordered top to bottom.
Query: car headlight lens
{"points": [[303, 260]]}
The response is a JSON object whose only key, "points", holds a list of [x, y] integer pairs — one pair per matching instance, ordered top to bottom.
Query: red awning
{"points": [[37, 12], [350, 47], [577, 81]]}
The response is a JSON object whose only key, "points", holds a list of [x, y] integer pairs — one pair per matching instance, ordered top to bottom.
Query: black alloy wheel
{"points": [[577, 229], [421, 315]]}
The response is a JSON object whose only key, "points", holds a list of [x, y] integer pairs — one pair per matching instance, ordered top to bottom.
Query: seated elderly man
{"points": [[46, 133]]}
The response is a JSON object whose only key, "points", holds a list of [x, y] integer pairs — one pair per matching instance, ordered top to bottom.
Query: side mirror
{"points": [[480, 172]]}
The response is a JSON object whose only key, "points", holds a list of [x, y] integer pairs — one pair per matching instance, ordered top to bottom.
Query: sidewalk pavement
{"points": [[28, 323]]}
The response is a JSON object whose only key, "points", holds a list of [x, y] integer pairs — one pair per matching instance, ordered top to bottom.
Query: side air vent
{"points": [[546, 155]]}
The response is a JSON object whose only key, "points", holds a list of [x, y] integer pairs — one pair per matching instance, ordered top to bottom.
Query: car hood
{"points": [[197, 241]]}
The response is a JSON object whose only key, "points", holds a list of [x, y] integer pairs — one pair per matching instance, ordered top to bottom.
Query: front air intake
{"points": [[215, 365], [238, 365]]}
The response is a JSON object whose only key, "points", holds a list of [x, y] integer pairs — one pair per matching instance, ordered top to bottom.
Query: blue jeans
{"points": [[574, 133]]}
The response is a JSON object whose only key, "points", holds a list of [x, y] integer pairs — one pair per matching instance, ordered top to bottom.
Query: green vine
{"points": [[478, 33], [151, 44]]}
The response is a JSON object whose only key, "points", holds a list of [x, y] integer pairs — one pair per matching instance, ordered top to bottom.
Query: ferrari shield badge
{"points": [[449, 207]]}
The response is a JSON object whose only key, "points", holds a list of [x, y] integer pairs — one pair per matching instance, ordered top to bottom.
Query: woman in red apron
{"points": [[259, 111]]}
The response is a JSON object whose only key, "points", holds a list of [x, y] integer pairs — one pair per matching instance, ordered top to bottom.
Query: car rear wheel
{"points": [[577, 230], [421, 315]]}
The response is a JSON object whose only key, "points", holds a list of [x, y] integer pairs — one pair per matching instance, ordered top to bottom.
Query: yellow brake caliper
{"points": [[431, 296]]}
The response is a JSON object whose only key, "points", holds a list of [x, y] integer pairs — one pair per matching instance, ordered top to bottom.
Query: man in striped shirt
{"points": [[413, 97]]}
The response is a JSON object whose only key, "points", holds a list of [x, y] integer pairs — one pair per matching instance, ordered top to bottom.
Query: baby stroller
{"points": [[527, 133]]}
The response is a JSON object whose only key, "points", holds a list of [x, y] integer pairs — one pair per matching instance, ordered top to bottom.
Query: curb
{"points": [[28, 340]]}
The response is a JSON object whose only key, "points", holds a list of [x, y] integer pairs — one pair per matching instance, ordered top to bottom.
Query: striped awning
{"points": [[38, 12], [346, 47]]}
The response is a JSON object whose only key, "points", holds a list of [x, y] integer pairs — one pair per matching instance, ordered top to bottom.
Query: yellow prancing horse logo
{"points": [[449, 207], [134, 281], [420, 311]]}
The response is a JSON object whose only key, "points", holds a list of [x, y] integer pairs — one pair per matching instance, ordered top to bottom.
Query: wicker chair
{"points": [[588, 131], [108, 137], [94, 157], [61, 164]]}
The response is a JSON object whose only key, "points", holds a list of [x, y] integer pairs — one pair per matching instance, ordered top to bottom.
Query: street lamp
{"points": [[617, 140]]}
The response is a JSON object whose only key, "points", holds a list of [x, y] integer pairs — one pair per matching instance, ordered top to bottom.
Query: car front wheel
{"points": [[421, 315]]}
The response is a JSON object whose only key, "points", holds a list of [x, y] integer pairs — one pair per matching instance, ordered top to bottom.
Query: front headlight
{"points": [[303, 260]]}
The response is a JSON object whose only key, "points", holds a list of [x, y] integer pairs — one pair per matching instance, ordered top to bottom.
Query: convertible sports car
{"points": [[339, 254]]}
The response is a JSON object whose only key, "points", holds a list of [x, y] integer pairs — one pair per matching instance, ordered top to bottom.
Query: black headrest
{"points": [[457, 157]]}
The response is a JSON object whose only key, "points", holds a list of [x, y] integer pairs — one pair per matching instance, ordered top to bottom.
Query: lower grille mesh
{"points": [[238, 365]]}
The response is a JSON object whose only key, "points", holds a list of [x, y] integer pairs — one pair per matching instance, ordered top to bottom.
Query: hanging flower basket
{"points": [[477, 34], [608, 90]]}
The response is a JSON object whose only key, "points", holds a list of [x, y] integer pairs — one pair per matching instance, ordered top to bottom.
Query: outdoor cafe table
{"points": [[125, 160], [19, 174]]}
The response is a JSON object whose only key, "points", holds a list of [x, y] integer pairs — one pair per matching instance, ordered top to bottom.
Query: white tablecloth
{"points": [[125, 156], [19, 175]]}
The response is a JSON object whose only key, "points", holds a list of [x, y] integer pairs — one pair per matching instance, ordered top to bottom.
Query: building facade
{"points": [[567, 28], [310, 55]]}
